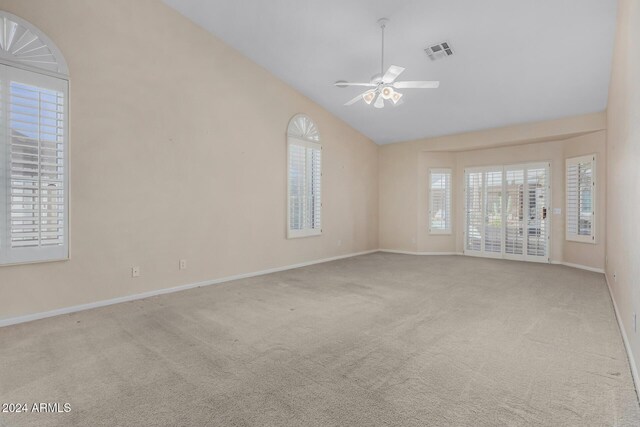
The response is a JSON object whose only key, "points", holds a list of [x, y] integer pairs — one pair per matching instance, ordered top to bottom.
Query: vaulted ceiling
{"points": [[515, 61]]}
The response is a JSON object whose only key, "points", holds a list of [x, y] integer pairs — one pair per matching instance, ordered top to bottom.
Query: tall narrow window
{"points": [[33, 146], [304, 176], [581, 196], [440, 201]]}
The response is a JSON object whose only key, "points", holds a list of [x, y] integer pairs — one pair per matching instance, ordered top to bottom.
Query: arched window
{"points": [[34, 111], [304, 178]]}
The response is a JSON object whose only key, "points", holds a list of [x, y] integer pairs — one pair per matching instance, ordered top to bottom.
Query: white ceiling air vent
{"points": [[439, 51]]}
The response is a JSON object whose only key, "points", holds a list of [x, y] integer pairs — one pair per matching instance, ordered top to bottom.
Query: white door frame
{"points": [[547, 220]]}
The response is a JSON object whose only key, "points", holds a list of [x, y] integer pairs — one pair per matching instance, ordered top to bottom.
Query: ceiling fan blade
{"points": [[392, 73], [346, 84], [416, 85], [359, 97], [354, 100], [379, 102]]}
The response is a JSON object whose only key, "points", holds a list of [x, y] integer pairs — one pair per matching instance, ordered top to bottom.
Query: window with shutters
{"points": [[33, 146], [304, 178], [581, 198], [440, 201], [506, 211]]}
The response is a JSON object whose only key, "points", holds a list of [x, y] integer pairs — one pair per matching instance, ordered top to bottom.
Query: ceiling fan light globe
{"points": [[387, 92], [368, 97], [396, 97]]}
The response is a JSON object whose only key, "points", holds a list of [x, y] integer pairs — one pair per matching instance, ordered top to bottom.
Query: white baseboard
{"points": [[393, 251], [568, 264], [581, 267], [103, 303], [625, 339]]}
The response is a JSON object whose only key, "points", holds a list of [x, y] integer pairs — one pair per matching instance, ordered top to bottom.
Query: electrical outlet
{"points": [[183, 264], [135, 271]]}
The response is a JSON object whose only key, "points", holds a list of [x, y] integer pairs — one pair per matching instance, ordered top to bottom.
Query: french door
{"points": [[506, 212]]}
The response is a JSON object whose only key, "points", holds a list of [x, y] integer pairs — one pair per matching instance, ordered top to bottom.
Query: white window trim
{"points": [[55, 64], [51, 73], [549, 224], [448, 230], [306, 232], [592, 238], [28, 255]]}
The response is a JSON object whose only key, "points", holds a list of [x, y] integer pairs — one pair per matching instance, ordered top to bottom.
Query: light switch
{"points": [[557, 211]]}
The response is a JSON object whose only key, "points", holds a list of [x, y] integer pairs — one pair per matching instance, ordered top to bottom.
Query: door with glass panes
{"points": [[506, 212]]}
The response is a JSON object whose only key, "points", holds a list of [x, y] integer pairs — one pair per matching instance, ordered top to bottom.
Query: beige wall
{"points": [[178, 151], [623, 171], [404, 181], [398, 197]]}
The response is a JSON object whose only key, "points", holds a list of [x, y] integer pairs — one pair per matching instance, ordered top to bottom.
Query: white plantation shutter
{"points": [[304, 174], [297, 176], [304, 178], [316, 187], [580, 197], [33, 199], [440, 201], [515, 205], [473, 207], [537, 207], [493, 211], [506, 211]]}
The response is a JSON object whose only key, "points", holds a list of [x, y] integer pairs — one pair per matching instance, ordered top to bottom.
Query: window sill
{"points": [[440, 233], [297, 234], [587, 240], [44, 261]]}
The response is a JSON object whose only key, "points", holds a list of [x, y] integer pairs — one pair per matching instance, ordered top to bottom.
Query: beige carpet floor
{"points": [[380, 339]]}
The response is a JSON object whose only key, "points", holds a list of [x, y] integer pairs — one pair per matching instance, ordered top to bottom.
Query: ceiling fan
{"points": [[382, 85]]}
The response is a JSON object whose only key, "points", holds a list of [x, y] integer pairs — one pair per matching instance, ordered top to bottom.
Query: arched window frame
{"points": [[34, 145], [304, 178]]}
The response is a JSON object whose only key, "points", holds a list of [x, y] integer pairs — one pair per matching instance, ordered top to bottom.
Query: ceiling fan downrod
{"points": [[383, 24]]}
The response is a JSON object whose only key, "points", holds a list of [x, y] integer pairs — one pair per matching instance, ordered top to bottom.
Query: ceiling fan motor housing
{"points": [[376, 78]]}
